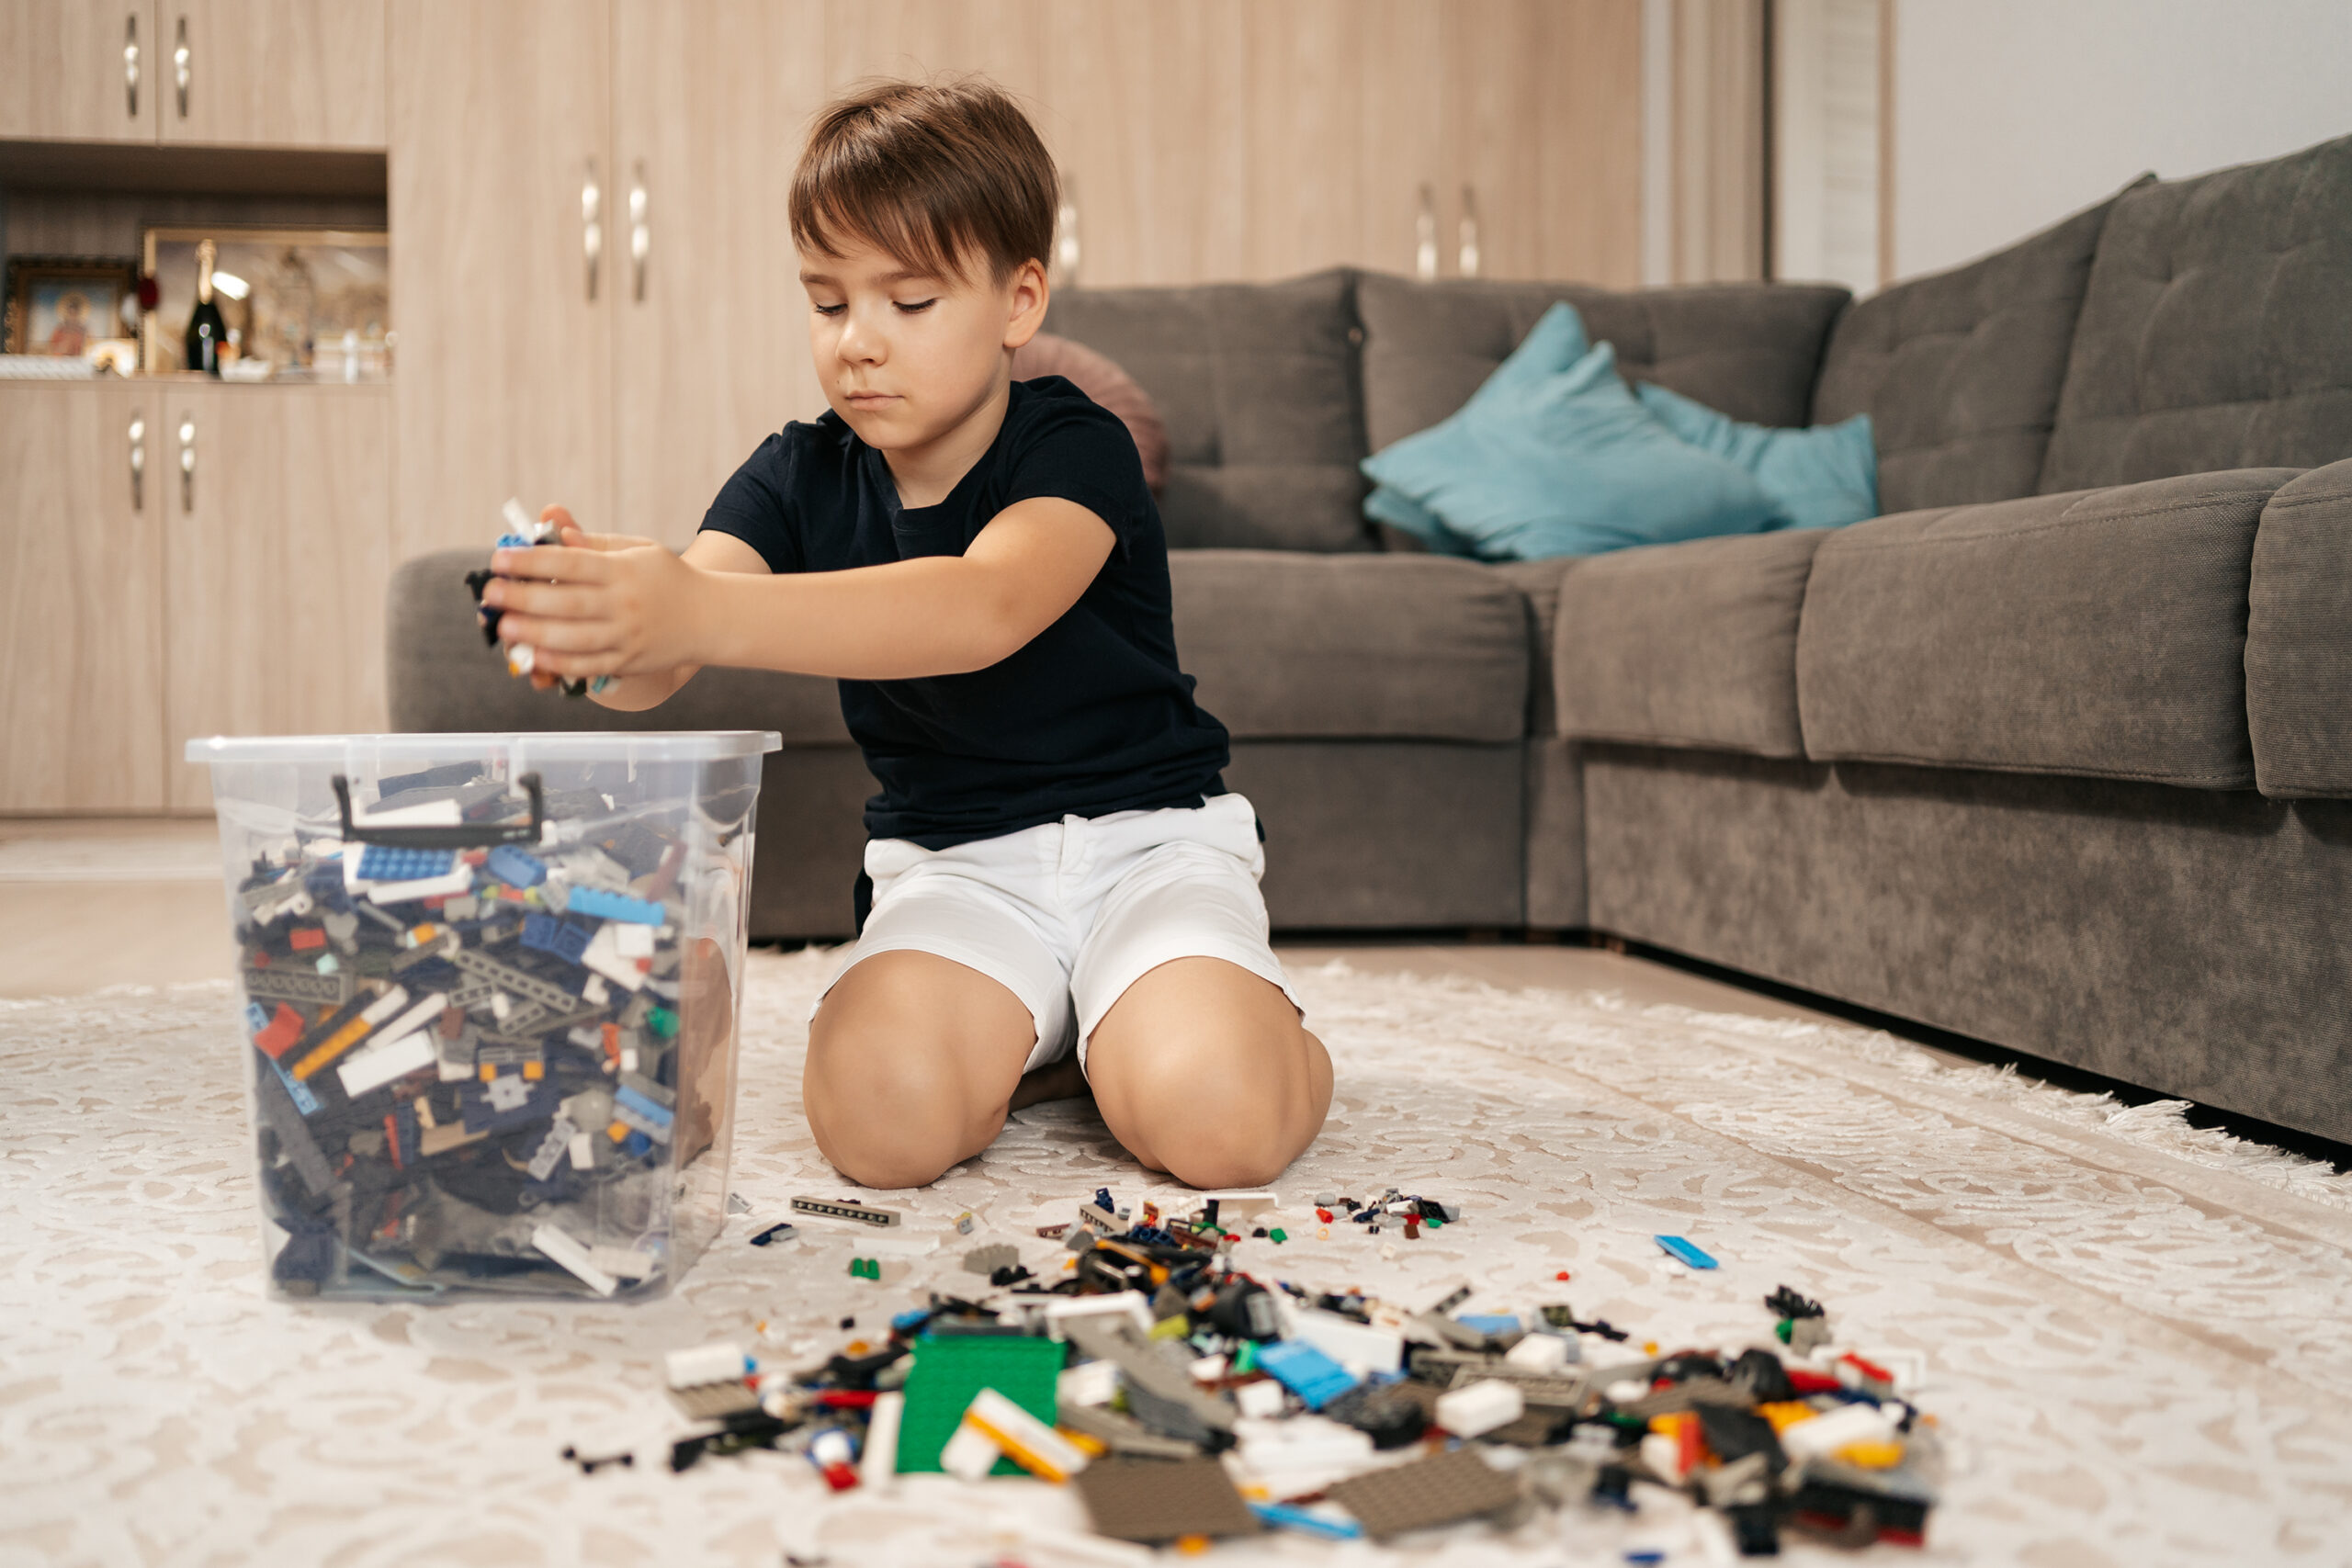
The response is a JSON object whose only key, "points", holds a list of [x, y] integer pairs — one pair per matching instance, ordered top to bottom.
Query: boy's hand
{"points": [[596, 603]]}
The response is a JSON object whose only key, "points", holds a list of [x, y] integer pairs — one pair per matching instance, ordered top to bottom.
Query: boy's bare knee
{"points": [[889, 1109]]}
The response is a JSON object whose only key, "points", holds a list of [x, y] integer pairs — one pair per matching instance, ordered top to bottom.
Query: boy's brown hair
{"points": [[932, 173]]}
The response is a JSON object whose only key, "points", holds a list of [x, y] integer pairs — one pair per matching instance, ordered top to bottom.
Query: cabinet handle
{"points": [[131, 64], [180, 65], [592, 226], [640, 233], [1425, 237], [1469, 254], [138, 462], [188, 462]]}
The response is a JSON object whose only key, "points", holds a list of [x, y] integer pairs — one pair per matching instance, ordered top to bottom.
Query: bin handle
{"points": [[462, 836]]}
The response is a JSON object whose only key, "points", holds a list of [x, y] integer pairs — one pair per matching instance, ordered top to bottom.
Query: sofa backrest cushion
{"points": [[2213, 334], [1749, 349], [1959, 371], [1257, 385]]}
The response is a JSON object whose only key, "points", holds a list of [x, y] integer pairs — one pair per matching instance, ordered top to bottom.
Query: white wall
{"points": [[2011, 114]]}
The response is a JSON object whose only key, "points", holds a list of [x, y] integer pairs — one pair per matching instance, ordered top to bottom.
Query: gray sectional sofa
{"points": [[2057, 754]]}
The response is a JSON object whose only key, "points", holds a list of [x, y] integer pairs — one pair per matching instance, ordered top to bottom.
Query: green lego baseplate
{"points": [[950, 1369]]}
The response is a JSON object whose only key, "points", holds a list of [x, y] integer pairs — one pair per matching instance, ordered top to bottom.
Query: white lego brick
{"points": [[448, 887], [634, 940], [604, 958], [380, 1063], [582, 1152], [1233, 1205], [564, 1250], [624, 1262], [1130, 1305], [1356, 1347], [1540, 1353], [720, 1361], [1207, 1368], [1088, 1382], [1258, 1401], [1480, 1408], [1824, 1435], [1033, 1445], [970, 1454], [879, 1464]]}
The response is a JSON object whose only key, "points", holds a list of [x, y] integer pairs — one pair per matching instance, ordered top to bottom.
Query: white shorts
{"points": [[1067, 915]]}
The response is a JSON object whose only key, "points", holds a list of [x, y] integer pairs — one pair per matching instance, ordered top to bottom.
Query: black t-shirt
{"points": [[1091, 717]]}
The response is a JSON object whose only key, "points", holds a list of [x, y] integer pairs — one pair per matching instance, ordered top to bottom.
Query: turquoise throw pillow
{"points": [[1555, 342], [1566, 464], [1823, 477]]}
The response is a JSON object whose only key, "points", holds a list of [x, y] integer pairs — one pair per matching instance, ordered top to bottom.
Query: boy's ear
{"points": [[1029, 296]]}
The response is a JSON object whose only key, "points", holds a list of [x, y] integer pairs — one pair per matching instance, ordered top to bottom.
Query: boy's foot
{"points": [[1055, 1080]]}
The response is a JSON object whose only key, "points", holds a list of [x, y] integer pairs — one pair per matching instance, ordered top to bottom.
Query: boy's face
{"points": [[905, 357]]}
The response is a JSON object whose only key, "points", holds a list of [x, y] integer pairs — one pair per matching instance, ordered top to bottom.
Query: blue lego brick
{"points": [[513, 542], [387, 862], [515, 868], [613, 907], [547, 935], [256, 1019], [296, 1089], [499, 1106], [634, 1109], [636, 1144], [1676, 1246], [1495, 1323], [1305, 1370], [1286, 1515]]}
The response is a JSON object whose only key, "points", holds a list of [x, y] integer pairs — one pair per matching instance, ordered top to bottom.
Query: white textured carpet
{"points": [[2138, 1338]]}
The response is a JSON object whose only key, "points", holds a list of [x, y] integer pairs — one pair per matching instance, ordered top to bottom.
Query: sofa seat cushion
{"points": [[2213, 334], [1749, 349], [1959, 371], [1257, 385], [2100, 634], [2299, 637], [1685, 645], [1289, 646], [442, 677]]}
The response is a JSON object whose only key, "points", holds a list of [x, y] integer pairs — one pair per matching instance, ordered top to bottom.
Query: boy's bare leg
{"points": [[913, 1060], [1203, 1070]]}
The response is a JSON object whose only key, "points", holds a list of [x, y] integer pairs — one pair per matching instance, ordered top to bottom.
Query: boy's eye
{"points": [[912, 306], [830, 309]]}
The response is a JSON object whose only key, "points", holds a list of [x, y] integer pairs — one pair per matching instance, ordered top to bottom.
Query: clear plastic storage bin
{"points": [[489, 986]]}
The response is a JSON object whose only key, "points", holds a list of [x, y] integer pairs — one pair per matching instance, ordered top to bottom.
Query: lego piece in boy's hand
{"points": [[523, 532]]}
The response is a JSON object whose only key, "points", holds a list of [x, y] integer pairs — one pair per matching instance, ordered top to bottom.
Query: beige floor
{"points": [[87, 903]]}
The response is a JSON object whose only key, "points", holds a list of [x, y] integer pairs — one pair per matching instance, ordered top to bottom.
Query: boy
{"points": [[1060, 884]]}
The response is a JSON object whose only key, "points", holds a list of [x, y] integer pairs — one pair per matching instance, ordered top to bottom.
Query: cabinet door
{"points": [[80, 69], [272, 73], [501, 191], [712, 333], [277, 556], [81, 605]]}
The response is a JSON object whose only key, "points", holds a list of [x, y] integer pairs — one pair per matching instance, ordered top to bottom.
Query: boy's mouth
{"points": [[871, 400]]}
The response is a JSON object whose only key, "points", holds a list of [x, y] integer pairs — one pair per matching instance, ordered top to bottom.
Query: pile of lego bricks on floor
{"points": [[466, 1060], [1185, 1400]]}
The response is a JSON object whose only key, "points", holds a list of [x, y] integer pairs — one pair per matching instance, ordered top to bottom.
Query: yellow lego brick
{"points": [[535, 1070], [486, 1072], [1786, 1413], [1871, 1456]]}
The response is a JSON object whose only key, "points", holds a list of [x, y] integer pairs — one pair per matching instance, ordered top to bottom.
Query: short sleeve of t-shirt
{"points": [[1076, 450], [754, 505]]}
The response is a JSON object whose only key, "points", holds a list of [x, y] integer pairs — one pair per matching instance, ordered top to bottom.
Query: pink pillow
{"points": [[1102, 380]]}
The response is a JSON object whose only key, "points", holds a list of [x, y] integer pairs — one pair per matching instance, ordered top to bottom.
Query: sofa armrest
{"points": [[2299, 637]]}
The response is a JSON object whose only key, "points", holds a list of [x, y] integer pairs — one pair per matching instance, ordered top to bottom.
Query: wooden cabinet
{"points": [[80, 69], [273, 73], [306, 73], [508, 249], [711, 334], [276, 549], [81, 599], [144, 600]]}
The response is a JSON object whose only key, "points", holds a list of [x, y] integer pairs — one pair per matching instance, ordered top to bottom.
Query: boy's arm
{"points": [[709, 552], [641, 611]]}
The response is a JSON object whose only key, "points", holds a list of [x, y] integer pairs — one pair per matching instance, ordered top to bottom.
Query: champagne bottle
{"points": [[206, 331]]}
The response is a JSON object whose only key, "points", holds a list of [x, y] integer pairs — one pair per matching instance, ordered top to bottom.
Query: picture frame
{"points": [[300, 303], [63, 306]]}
